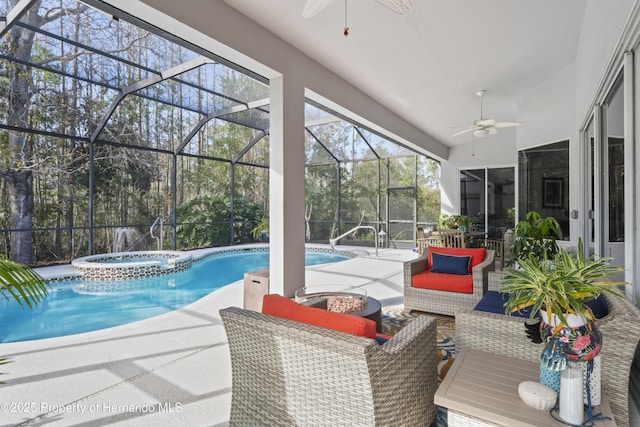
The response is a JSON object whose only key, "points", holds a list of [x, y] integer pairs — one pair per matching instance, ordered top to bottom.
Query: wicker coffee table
{"points": [[481, 389]]}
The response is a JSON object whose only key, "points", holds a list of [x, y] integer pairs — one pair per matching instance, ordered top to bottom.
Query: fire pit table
{"points": [[342, 299]]}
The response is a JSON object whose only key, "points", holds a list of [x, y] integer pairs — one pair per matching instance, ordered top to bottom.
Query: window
{"points": [[544, 183]]}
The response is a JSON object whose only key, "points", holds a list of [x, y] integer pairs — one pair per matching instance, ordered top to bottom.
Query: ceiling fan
{"points": [[313, 7], [484, 127]]}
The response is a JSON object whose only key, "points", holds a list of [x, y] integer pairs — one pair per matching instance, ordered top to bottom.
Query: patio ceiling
{"points": [[428, 65]]}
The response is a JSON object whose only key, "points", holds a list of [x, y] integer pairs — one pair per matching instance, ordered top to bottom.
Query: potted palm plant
{"points": [[22, 284], [559, 286]]}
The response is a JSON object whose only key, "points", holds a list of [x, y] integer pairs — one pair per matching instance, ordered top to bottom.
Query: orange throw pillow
{"points": [[279, 306]]}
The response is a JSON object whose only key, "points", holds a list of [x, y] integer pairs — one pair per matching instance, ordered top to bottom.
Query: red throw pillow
{"points": [[277, 305]]}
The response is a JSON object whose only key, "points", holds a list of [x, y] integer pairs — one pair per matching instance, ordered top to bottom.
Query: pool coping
{"points": [[98, 268]]}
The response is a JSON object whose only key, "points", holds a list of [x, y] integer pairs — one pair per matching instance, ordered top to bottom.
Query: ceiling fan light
{"points": [[480, 133]]}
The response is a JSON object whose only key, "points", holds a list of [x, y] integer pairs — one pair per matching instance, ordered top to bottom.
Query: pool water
{"points": [[74, 306]]}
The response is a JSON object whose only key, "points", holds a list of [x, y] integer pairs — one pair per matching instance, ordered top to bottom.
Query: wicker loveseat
{"points": [[444, 301], [620, 328], [287, 373]]}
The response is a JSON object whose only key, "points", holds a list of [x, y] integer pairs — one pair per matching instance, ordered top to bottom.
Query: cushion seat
{"points": [[443, 282], [493, 302]]}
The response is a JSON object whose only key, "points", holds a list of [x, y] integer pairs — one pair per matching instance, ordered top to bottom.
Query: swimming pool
{"points": [[75, 306]]}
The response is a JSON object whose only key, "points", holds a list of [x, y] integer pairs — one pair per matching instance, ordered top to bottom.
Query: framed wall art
{"points": [[552, 192]]}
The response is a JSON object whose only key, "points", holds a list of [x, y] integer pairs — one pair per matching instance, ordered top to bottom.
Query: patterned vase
{"points": [[582, 344]]}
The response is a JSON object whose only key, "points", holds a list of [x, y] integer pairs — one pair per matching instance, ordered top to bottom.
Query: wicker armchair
{"points": [[444, 302], [505, 335], [286, 373]]}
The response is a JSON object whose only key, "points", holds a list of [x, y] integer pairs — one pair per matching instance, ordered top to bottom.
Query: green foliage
{"points": [[321, 195], [245, 216], [461, 220], [204, 222], [449, 222], [262, 225], [535, 236], [22, 284], [560, 284]]}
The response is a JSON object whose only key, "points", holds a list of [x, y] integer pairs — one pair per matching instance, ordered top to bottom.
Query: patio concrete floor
{"points": [[172, 369]]}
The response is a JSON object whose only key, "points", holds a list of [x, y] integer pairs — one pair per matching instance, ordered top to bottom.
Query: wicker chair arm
{"points": [[487, 264], [417, 265], [480, 274], [494, 280], [418, 332], [496, 333], [404, 375]]}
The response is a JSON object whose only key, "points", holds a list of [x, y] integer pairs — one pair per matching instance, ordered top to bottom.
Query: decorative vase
{"points": [[580, 339], [581, 342], [552, 360], [592, 382], [571, 394]]}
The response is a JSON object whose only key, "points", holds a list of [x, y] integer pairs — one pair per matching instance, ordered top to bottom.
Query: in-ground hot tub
{"points": [[131, 265]]}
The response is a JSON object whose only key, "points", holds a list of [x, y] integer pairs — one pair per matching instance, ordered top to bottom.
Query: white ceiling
{"points": [[428, 65]]}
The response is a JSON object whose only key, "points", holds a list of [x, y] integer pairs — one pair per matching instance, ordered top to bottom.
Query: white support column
{"points": [[286, 186]]}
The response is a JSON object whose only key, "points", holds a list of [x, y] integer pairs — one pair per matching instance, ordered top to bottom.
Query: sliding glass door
{"points": [[605, 169], [487, 197]]}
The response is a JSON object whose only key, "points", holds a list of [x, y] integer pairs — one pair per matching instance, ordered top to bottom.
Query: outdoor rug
{"points": [[395, 318]]}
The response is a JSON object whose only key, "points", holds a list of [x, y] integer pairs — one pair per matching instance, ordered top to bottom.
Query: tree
{"points": [[18, 169]]}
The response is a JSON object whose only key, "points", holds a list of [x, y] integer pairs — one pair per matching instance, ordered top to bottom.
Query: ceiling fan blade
{"points": [[398, 6], [313, 7], [507, 124], [492, 130], [462, 131]]}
